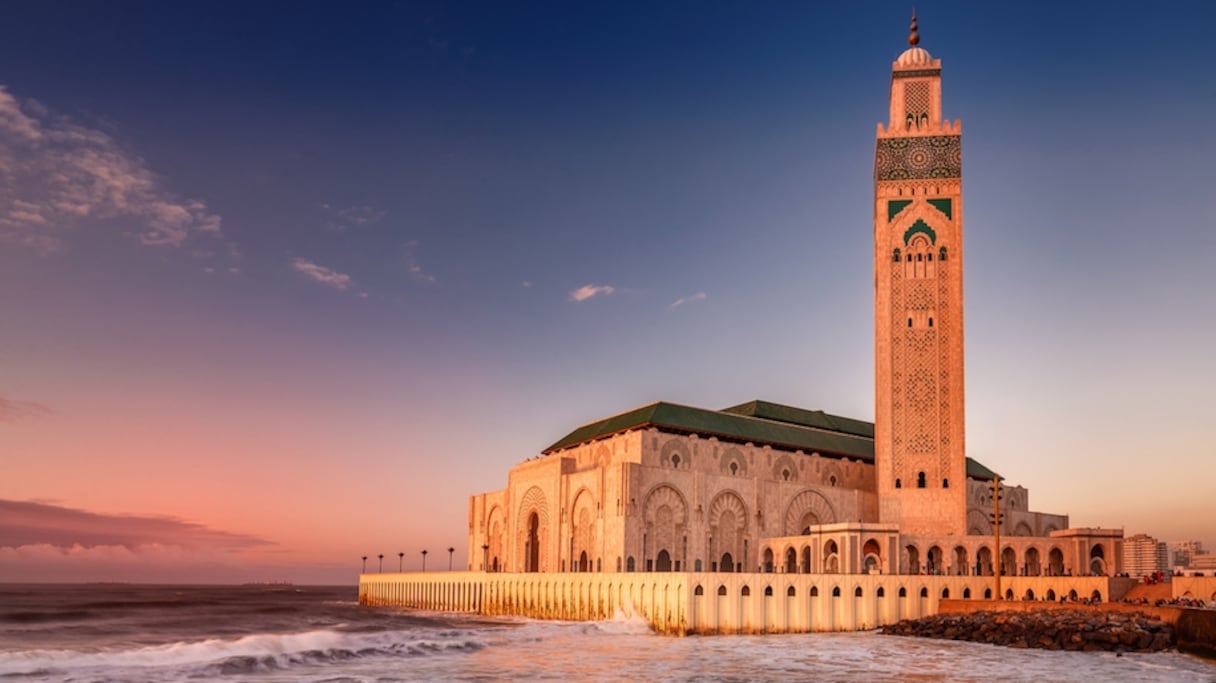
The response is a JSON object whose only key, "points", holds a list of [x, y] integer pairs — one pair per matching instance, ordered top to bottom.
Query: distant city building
{"points": [[1181, 553], [1144, 555], [1203, 562]]}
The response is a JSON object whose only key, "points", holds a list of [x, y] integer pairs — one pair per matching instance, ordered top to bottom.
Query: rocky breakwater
{"points": [[1087, 631]]}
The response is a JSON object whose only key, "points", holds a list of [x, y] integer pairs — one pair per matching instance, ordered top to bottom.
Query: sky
{"points": [[282, 284]]}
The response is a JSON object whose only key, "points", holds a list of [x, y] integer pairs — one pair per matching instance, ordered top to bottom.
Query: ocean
{"points": [[118, 632]]}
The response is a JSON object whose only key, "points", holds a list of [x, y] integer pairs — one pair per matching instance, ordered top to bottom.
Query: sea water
{"points": [[113, 632]]}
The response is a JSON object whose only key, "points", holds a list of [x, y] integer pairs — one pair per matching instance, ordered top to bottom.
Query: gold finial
{"points": [[914, 38]]}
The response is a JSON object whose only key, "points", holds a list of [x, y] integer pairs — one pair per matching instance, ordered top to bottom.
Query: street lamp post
{"points": [[450, 551], [485, 557], [424, 560], [400, 561], [364, 564], [381, 570]]}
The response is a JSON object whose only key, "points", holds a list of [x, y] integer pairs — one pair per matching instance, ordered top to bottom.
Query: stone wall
{"points": [[681, 603]]}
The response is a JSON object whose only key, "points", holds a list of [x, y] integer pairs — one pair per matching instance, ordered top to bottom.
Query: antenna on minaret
{"points": [[914, 37]]}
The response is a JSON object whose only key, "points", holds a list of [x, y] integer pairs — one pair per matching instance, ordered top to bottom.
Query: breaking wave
{"points": [[249, 654]]}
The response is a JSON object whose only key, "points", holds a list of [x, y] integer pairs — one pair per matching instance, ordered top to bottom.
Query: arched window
{"points": [[941, 254], [895, 256], [909, 322], [930, 322], [675, 460], [734, 468], [785, 474], [832, 480], [920, 480], [945, 483], [898, 484], [629, 564], [697, 566], [721, 590], [698, 591], [768, 591], [814, 591], [746, 592], [789, 592], [836, 592], [857, 592], [882, 592], [903, 592], [924, 592], [945, 593], [967, 593], [987, 593]]}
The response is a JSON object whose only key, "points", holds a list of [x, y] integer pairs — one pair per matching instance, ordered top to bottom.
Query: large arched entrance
{"points": [[913, 554], [791, 561], [582, 562], [662, 563], [727, 564]]}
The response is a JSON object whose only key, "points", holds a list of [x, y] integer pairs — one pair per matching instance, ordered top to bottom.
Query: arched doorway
{"points": [[533, 544], [871, 556], [831, 558], [806, 559], [768, 560], [960, 560], [791, 561], [983, 561], [1097, 561], [582, 562], [1009, 562], [1032, 562], [1055, 562], [662, 563], [727, 564], [935, 564], [913, 566]]}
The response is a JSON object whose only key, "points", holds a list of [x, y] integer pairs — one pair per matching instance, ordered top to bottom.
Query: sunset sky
{"points": [[281, 285]]}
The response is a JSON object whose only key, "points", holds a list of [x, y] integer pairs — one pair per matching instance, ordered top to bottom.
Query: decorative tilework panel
{"points": [[937, 156]]}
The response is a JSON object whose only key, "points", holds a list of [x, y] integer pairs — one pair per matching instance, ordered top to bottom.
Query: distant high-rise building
{"points": [[1181, 553], [1143, 555]]}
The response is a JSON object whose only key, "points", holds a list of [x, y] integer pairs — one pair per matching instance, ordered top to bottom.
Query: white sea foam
{"points": [[249, 652]]}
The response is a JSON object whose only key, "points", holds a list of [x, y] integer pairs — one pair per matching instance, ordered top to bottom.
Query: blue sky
{"points": [[311, 273]]}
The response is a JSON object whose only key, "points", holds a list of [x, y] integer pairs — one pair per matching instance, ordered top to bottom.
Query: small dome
{"points": [[914, 56]]}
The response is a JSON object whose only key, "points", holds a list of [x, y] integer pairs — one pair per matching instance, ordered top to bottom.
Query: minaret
{"points": [[918, 305]]}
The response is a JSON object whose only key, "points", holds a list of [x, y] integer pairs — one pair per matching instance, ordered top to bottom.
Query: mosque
{"points": [[766, 488]]}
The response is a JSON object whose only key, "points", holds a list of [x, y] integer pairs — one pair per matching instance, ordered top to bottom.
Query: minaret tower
{"points": [[918, 305]]}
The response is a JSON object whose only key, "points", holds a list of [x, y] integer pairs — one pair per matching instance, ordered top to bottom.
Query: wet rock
{"points": [[1047, 629]]}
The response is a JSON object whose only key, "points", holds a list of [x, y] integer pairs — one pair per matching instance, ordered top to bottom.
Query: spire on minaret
{"points": [[914, 37]]}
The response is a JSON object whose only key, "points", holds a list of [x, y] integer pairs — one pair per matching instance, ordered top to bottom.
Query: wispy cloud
{"points": [[56, 174], [353, 215], [415, 266], [321, 274], [587, 291], [699, 296], [12, 411], [30, 523]]}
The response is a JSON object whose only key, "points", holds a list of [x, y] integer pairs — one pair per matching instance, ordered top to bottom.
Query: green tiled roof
{"points": [[808, 418], [758, 422]]}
